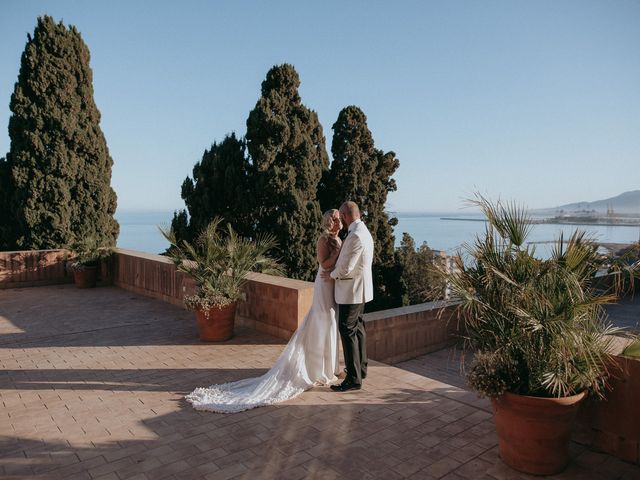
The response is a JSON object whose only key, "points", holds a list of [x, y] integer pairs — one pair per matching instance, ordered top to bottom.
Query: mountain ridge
{"points": [[625, 203]]}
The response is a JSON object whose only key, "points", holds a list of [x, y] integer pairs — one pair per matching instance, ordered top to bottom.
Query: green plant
{"points": [[288, 155], [57, 173], [88, 253], [219, 261], [537, 327], [632, 350]]}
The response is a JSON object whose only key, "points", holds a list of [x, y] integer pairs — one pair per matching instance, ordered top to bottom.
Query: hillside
{"points": [[625, 203]]}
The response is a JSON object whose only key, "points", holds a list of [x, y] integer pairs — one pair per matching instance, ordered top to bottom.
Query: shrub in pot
{"points": [[87, 257], [219, 261], [538, 331]]}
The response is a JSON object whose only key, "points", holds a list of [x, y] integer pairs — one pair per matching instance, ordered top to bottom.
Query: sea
{"points": [[447, 231]]}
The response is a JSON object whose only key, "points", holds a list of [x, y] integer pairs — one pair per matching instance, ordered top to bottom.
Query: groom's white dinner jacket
{"points": [[352, 273]]}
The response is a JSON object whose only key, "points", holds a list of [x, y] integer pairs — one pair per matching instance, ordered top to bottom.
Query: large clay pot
{"points": [[86, 277], [216, 325], [534, 432]]}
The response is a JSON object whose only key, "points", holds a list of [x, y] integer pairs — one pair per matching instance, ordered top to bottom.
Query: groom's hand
{"points": [[325, 275]]}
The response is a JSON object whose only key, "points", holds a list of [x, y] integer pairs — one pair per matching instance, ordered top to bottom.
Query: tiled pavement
{"points": [[625, 313], [92, 385]]}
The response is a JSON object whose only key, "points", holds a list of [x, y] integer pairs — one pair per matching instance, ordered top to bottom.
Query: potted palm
{"points": [[87, 257], [218, 262], [538, 333]]}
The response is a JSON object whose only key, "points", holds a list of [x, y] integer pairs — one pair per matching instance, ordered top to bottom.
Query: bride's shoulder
{"points": [[323, 239], [327, 240]]}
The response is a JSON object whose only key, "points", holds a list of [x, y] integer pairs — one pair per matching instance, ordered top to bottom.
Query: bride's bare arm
{"points": [[327, 256]]}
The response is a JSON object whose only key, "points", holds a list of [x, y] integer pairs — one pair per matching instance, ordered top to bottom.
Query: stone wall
{"points": [[32, 268], [274, 305], [403, 333], [612, 425]]}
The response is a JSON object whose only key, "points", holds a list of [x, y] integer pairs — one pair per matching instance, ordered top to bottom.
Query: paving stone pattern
{"points": [[92, 385]]}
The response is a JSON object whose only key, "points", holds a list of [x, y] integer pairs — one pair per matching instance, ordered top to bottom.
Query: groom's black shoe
{"points": [[346, 386]]}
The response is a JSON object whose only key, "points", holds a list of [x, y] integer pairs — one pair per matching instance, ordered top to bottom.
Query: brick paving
{"points": [[625, 313], [92, 385]]}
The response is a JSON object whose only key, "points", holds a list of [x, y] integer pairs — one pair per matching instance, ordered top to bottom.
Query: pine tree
{"points": [[287, 148], [58, 167], [362, 173], [220, 187]]}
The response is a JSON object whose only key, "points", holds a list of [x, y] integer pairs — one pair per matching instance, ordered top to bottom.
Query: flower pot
{"points": [[86, 277], [216, 324], [534, 432]]}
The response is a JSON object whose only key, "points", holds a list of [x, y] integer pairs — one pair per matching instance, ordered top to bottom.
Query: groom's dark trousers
{"points": [[354, 341]]}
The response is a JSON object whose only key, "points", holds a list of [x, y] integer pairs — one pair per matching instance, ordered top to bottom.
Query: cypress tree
{"points": [[287, 148], [354, 162], [58, 167], [362, 173], [221, 186], [5, 217]]}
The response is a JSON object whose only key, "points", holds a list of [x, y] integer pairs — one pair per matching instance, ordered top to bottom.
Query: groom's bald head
{"points": [[349, 212]]}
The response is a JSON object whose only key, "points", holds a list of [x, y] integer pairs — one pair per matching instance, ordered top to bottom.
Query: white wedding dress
{"points": [[310, 358]]}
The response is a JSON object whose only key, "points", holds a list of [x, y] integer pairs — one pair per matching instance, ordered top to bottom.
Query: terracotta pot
{"points": [[85, 278], [217, 325], [534, 432]]}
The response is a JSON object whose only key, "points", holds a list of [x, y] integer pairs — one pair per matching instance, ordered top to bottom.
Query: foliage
{"points": [[287, 148], [354, 162], [361, 173], [57, 174], [221, 186], [279, 187], [5, 213], [180, 226], [88, 252], [219, 262], [419, 275], [537, 327], [632, 350]]}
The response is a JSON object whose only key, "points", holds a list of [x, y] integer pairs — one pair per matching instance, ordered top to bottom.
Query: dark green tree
{"points": [[287, 148], [354, 162], [58, 169], [362, 173], [220, 187], [5, 216], [180, 226], [386, 272], [418, 272]]}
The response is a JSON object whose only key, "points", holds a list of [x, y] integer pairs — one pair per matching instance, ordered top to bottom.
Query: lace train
{"points": [[310, 358]]}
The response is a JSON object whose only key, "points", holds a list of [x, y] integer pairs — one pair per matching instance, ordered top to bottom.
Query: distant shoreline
{"points": [[464, 219], [554, 221]]}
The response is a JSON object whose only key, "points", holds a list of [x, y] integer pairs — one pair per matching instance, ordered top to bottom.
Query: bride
{"points": [[311, 356]]}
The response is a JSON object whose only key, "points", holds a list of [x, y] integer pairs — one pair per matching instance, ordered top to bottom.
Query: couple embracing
{"points": [[342, 286]]}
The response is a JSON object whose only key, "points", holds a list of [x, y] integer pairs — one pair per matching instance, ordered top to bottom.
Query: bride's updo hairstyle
{"points": [[327, 220]]}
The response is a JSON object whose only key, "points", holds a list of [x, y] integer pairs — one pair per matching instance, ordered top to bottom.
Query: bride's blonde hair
{"points": [[327, 220]]}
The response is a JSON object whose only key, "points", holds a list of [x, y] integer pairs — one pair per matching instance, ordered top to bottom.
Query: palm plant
{"points": [[88, 252], [219, 262], [537, 327]]}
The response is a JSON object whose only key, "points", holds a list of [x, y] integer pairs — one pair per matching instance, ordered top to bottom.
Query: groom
{"points": [[353, 288]]}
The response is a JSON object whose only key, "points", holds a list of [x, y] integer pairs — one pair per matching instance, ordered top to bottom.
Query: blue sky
{"points": [[533, 101]]}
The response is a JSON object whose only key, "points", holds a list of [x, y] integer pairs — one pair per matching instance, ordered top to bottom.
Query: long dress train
{"points": [[310, 358]]}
